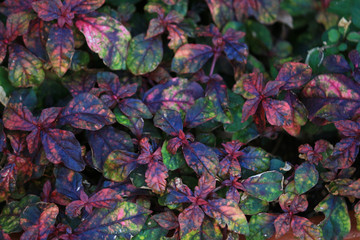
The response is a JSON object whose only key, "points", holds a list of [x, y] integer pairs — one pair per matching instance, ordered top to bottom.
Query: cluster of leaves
{"points": [[178, 119]]}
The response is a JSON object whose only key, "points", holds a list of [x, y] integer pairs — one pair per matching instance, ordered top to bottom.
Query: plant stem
{"points": [[216, 56]]}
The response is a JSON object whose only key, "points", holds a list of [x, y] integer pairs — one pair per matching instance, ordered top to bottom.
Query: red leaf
{"points": [[84, 6], [9, 7], [17, 24], [156, 27], [176, 36], [36, 37], [60, 47], [295, 75], [249, 108], [86, 111], [277, 112], [49, 116], [18, 117], [348, 128], [62, 146], [344, 154], [155, 176], [7, 181], [207, 184], [105, 198], [74, 208], [167, 220], [282, 224]]}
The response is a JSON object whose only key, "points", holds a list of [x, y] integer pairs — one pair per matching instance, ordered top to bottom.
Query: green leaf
{"points": [[107, 37], [144, 54], [80, 60], [25, 69], [199, 113], [172, 162], [306, 177], [267, 186], [251, 205], [10, 215], [124, 221], [336, 224], [261, 226], [151, 230]]}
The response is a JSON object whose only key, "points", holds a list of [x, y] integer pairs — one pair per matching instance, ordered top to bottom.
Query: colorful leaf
{"points": [[83, 7], [48, 10], [221, 11], [107, 37], [60, 48], [144, 54], [189, 58], [25, 69], [294, 74], [176, 94], [331, 97], [135, 108], [85, 111], [277, 112], [18, 117], [169, 121], [106, 140], [62, 146], [344, 153], [201, 158], [255, 159], [171, 161], [119, 164], [155, 176], [306, 177], [68, 183], [267, 186], [227, 212], [10, 214], [190, 219], [37, 220], [125, 220], [167, 220], [337, 221], [282, 224], [304, 229]]}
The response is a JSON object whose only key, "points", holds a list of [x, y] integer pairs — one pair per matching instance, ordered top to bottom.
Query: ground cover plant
{"points": [[177, 119]]}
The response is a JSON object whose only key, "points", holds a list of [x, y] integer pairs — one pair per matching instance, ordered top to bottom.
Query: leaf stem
{"points": [[216, 56]]}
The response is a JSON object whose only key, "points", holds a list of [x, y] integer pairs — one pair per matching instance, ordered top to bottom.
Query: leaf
{"points": [[9, 7], [83, 7], [48, 10], [221, 11], [17, 24], [156, 27], [36, 37], [107, 37], [60, 47], [144, 54], [190, 58], [336, 64], [25, 69], [294, 74], [79, 82], [176, 94], [331, 97], [135, 108], [85, 111], [277, 112], [199, 113], [18, 117], [169, 121], [106, 140], [62, 146], [344, 154], [201, 158], [255, 159], [172, 162], [119, 164], [155, 176], [306, 177], [7, 181], [68, 183], [267, 186], [293, 203], [251, 205], [227, 212], [10, 215], [190, 219], [37, 220], [167, 220], [125, 221], [337, 221], [282, 224], [261, 226], [304, 229], [151, 230], [209, 230]]}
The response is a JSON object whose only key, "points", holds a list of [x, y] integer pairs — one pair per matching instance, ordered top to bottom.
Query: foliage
{"points": [[178, 119]]}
